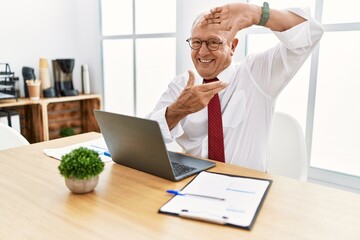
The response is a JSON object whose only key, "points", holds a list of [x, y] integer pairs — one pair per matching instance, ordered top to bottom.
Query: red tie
{"points": [[215, 128]]}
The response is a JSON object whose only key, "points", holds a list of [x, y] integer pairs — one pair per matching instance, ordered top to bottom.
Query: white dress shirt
{"points": [[247, 104]]}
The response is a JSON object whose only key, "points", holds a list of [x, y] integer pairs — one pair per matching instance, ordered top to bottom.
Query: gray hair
{"points": [[197, 20]]}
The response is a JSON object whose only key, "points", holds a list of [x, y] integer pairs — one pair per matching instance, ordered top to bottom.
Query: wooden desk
{"points": [[35, 204]]}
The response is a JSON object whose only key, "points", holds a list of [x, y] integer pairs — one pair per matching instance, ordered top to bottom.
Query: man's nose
{"points": [[203, 48]]}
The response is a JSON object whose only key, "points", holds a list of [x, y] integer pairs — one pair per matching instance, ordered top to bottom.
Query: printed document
{"points": [[98, 145], [224, 199]]}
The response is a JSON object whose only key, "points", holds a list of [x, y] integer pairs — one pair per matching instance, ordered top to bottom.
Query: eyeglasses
{"points": [[212, 44]]}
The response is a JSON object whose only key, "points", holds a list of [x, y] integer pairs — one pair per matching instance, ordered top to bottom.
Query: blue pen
{"points": [[106, 153], [175, 192]]}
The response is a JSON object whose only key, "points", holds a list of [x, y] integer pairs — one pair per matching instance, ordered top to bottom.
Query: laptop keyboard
{"points": [[180, 169]]}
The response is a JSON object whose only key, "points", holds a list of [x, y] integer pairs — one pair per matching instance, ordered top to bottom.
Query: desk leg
{"points": [[44, 112], [34, 123], [89, 123]]}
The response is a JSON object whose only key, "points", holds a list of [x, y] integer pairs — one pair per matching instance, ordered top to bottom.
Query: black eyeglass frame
{"points": [[207, 43]]}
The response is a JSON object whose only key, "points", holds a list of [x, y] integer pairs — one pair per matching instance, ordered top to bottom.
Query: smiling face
{"points": [[210, 63]]}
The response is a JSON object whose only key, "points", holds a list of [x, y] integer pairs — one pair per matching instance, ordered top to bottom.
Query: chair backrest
{"points": [[10, 138], [287, 153]]}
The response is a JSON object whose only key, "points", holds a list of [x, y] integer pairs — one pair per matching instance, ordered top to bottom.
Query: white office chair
{"points": [[10, 138], [287, 153]]}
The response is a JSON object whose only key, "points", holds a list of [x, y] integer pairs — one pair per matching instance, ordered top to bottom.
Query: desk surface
{"points": [[35, 204]]}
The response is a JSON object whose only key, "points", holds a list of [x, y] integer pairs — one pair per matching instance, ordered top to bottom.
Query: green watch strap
{"points": [[265, 14]]}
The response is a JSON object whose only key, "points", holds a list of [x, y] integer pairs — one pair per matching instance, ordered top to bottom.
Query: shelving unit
{"points": [[7, 82], [42, 120]]}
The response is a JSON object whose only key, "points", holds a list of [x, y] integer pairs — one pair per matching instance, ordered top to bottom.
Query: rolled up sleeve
{"points": [[168, 135]]}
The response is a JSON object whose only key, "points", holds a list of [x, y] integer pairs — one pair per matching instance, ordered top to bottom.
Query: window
{"points": [[346, 11], [117, 17], [139, 50], [118, 75], [152, 77], [323, 94], [335, 141]]}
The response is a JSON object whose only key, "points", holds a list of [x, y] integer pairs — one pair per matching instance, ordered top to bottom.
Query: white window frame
{"points": [[134, 37]]}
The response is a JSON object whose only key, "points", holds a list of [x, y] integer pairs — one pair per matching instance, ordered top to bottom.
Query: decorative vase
{"points": [[81, 185]]}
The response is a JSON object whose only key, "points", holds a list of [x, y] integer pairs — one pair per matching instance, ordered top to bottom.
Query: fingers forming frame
{"points": [[216, 10], [215, 16]]}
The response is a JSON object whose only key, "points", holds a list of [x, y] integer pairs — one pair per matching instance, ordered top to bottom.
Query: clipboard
{"points": [[220, 198]]}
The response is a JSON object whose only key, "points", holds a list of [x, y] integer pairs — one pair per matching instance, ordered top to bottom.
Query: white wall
{"points": [[52, 29]]}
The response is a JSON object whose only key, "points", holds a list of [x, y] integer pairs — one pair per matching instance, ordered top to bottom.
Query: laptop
{"points": [[138, 143]]}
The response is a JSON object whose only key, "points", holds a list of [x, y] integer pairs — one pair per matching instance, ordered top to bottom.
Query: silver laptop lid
{"points": [[138, 143]]}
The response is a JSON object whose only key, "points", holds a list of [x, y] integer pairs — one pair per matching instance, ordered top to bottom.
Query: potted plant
{"points": [[68, 131], [81, 168]]}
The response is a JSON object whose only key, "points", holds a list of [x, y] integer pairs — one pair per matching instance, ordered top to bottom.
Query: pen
{"points": [[106, 153], [175, 192], [202, 216]]}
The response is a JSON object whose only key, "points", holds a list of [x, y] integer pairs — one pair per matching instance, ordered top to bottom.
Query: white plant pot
{"points": [[82, 185]]}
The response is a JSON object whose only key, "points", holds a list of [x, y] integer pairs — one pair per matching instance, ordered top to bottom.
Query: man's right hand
{"points": [[233, 17], [192, 99]]}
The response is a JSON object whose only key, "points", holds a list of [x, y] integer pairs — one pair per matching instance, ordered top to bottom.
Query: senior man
{"points": [[223, 111]]}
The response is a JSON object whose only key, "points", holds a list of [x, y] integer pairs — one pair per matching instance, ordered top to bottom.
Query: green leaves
{"points": [[68, 131], [81, 163]]}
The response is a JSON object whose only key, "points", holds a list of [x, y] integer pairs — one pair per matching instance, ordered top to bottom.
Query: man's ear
{"points": [[234, 44]]}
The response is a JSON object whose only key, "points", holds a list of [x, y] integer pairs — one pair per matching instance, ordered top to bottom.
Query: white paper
{"points": [[97, 145], [242, 198]]}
